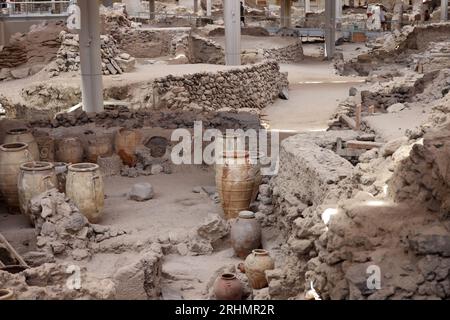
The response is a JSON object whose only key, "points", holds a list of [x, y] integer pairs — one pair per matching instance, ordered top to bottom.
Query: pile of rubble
{"points": [[28, 53], [68, 56], [341, 222], [63, 230], [53, 281]]}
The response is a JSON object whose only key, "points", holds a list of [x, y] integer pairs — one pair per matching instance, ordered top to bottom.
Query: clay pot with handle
{"points": [[24, 135], [126, 142], [69, 150], [12, 155], [34, 178], [235, 182], [84, 186], [245, 234], [255, 267], [228, 287]]}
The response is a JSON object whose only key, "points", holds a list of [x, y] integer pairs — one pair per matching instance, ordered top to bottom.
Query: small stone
{"points": [[352, 91], [397, 107], [157, 169], [141, 192], [75, 223], [182, 249], [80, 254]]}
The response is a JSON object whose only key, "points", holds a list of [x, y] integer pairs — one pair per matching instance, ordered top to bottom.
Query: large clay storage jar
{"points": [[23, 135], [126, 142], [46, 146], [98, 146], [69, 150], [12, 155], [35, 178], [234, 182], [84, 186], [245, 234], [256, 265], [228, 287]]}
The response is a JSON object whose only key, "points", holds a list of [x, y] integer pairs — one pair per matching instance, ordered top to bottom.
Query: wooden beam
{"points": [[348, 121], [354, 144], [14, 253]]}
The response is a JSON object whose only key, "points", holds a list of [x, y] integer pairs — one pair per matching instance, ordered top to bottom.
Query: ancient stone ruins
{"points": [[167, 150]]}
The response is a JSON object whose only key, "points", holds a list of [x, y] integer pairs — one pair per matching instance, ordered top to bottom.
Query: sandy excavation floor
{"points": [[308, 109]]}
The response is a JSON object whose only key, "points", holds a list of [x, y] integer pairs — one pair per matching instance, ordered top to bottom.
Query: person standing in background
{"points": [[242, 13], [383, 19]]}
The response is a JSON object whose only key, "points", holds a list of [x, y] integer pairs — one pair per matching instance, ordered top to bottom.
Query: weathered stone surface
{"points": [[141, 192]]}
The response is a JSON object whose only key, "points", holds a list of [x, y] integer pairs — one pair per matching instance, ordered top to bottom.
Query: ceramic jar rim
{"points": [[18, 131], [13, 147], [234, 154], [36, 166], [84, 167], [246, 215], [260, 252], [228, 276], [6, 293]]}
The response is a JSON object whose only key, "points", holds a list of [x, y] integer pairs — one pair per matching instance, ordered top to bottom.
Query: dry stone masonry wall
{"points": [[249, 87]]}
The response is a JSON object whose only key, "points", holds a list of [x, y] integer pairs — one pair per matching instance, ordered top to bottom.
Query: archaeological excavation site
{"points": [[224, 150]]}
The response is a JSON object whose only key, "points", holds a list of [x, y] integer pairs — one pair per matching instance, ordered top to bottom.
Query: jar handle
{"points": [[28, 155], [48, 183]]}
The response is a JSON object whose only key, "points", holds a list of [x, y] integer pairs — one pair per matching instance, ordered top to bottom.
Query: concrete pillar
{"points": [[195, 6], [307, 6], [151, 7], [208, 8], [338, 9], [444, 10], [285, 13], [397, 16], [232, 19], [330, 28], [90, 57]]}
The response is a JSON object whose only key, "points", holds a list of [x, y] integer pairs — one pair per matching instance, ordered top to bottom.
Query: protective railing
{"points": [[34, 8]]}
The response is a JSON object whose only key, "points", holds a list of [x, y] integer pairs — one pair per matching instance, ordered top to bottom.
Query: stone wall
{"points": [[291, 53], [252, 87], [339, 222]]}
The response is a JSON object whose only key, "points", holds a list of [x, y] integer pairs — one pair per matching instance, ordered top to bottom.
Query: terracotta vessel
{"points": [[24, 135], [125, 143], [46, 146], [99, 146], [69, 150], [12, 155], [61, 175], [34, 179], [235, 182], [85, 187], [245, 234], [256, 265], [228, 287], [6, 294]]}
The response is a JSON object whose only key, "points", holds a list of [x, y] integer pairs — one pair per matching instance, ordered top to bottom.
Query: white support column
{"points": [[195, 6], [307, 6], [151, 8], [208, 8], [338, 9], [444, 10], [285, 13], [232, 19], [330, 28], [90, 57]]}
